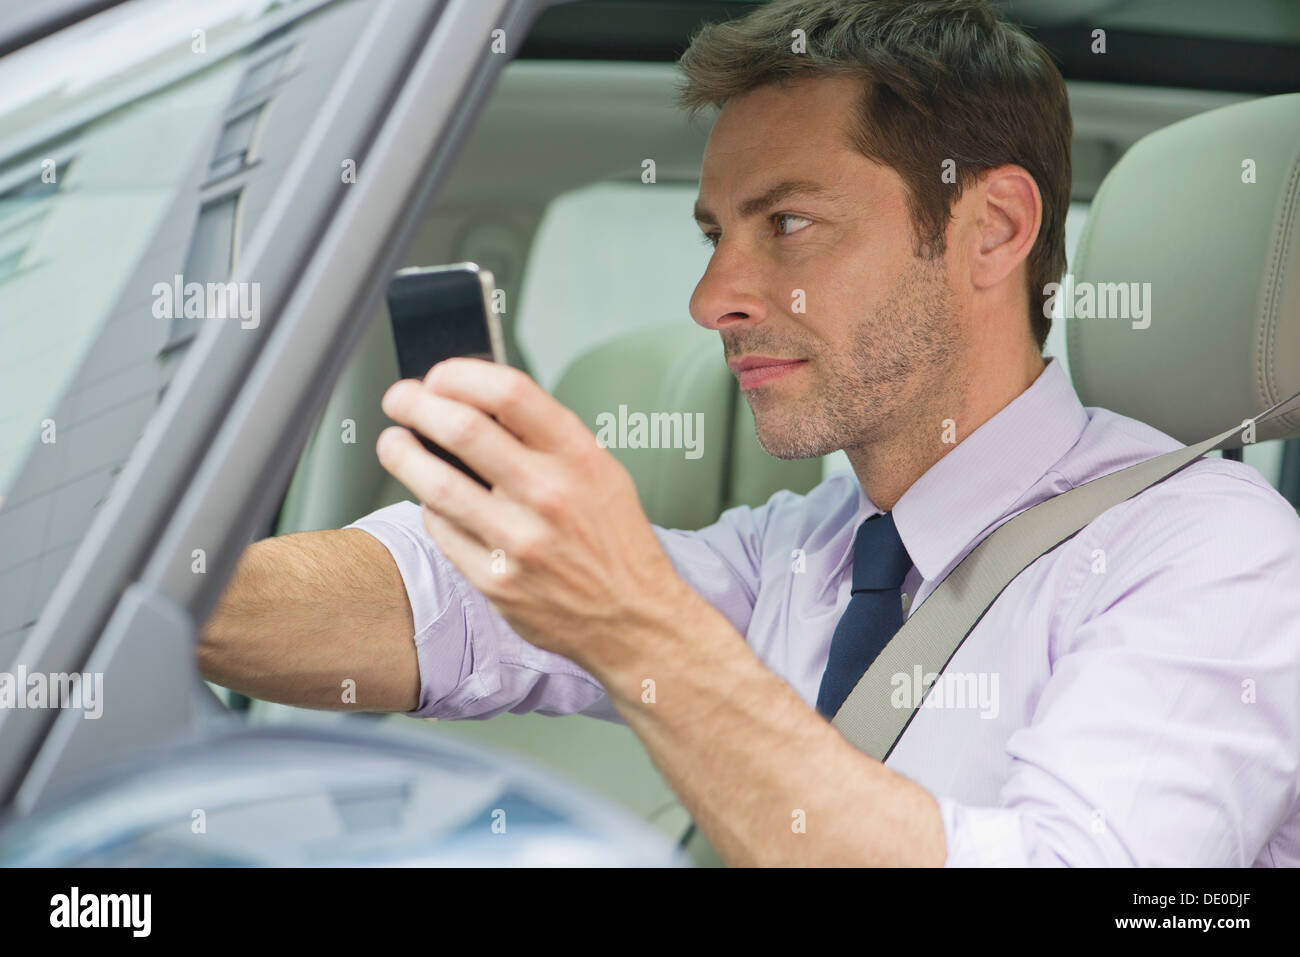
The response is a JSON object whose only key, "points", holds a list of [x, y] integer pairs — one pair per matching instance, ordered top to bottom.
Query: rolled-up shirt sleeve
{"points": [[472, 663], [1166, 734]]}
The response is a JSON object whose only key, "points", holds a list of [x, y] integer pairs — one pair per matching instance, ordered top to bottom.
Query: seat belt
{"points": [[940, 624]]}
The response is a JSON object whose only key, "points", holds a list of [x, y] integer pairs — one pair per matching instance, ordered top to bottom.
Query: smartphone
{"points": [[439, 312]]}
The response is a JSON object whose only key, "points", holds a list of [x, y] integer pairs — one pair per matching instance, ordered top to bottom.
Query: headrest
{"points": [[1194, 240]]}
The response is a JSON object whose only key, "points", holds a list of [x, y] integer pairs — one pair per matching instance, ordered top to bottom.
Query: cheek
{"points": [[838, 283], [850, 286], [815, 287]]}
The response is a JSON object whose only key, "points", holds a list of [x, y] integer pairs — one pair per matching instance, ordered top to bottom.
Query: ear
{"points": [[1008, 214]]}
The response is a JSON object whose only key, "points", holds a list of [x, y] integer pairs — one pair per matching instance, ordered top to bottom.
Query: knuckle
{"points": [[516, 390], [460, 426], [582, 442], [587, 453], [436, 485], [433, 490], [548, 498], [527, 549]]}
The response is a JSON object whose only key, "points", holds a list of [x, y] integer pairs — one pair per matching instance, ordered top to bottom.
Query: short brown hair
{"points": [[944, 79]]}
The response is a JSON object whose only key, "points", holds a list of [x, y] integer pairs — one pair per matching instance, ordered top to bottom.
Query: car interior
{"points": [[574, 186], [598, 265]]}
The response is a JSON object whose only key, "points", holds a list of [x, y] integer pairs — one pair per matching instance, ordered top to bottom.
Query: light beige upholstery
{"points": [[1222, 256]]}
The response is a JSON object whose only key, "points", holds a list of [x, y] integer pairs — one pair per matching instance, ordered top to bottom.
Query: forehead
{"points": [[799, 128]]}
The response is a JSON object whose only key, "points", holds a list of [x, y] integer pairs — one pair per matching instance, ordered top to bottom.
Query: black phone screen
{"points": [[437, 314]]}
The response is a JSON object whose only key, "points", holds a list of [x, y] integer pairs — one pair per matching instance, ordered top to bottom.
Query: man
{"points": [[885, 189]]}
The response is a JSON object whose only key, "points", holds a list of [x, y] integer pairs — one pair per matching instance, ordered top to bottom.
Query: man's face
{"points": [[821, 271]]}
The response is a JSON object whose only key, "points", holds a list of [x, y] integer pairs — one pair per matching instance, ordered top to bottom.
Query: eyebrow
{"points": [[768, 198]]}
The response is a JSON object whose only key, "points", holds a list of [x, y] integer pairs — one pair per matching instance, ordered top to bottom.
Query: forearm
{"points": [[304, 615], [767, 779]]}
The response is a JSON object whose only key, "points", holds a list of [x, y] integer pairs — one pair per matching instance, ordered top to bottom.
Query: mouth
{"points": [[753, 371]]}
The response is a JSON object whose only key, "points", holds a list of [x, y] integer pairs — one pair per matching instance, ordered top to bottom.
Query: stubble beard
{"points": [[900, 365]]}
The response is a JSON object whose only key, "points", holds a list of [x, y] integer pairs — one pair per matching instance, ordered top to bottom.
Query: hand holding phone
{"points": [[439, 312]]}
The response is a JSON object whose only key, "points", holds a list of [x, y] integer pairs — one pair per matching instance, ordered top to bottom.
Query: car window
{"points": [[132, 175]]}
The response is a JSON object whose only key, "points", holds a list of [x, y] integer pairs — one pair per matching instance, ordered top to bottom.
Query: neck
{"points": [[888, 467]]}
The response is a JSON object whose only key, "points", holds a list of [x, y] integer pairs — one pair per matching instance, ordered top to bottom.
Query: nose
{"points": [[729, 292]]}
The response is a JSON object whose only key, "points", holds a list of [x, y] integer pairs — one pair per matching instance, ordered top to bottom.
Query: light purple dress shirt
{"points": [[1133, 698]]}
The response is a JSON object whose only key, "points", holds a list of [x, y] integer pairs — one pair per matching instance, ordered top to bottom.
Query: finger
{"points": [[518, 402], [469, 434], [443, 487], [470, 556]]}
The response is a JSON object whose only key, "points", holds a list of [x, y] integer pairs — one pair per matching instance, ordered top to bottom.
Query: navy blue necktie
{"points": [[874, 614]]}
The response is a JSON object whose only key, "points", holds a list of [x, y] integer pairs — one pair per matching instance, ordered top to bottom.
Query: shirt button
{"points": [[907, 601]]}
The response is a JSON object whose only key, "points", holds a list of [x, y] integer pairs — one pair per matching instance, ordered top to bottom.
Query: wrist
{"points": [[674, 632]]}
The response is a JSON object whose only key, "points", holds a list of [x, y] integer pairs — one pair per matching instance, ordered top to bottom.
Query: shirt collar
{"points": [[984, 476]]}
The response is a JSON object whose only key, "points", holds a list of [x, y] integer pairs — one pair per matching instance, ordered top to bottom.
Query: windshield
{"points": [[97, 132], [138, 151]]}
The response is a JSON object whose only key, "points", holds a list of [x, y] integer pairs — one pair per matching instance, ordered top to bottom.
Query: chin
{"points": [[794, 441]]}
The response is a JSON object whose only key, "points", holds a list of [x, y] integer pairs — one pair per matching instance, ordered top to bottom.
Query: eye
{"points": [[782, 221]]}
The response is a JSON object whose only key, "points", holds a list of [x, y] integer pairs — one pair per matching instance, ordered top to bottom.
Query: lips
{"points": [[752, 371]]}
